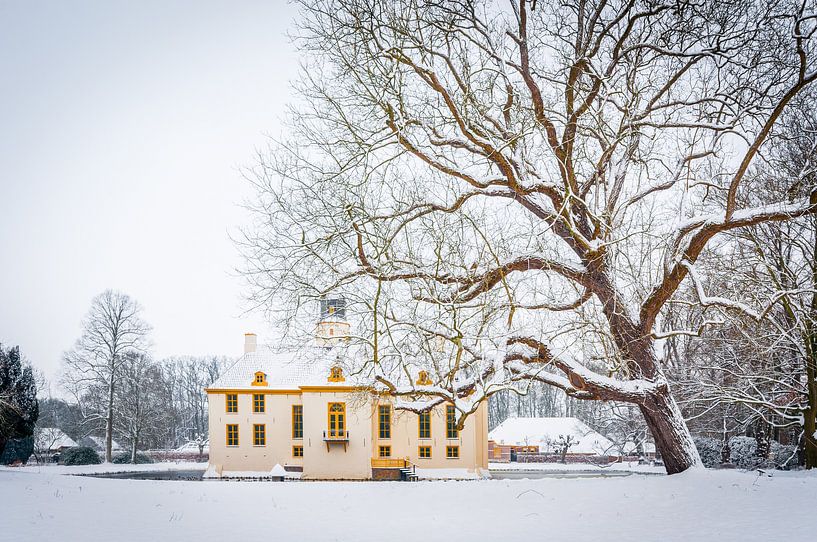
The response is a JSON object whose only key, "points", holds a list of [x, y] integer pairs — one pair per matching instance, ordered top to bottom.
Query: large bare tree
{"points": [[515, 192], [92, 370]]}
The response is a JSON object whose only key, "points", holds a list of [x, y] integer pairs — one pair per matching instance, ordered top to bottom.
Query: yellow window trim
{"points": [[336, 375], [260, 379], [423, 379], [231, 399], [259, 403], [300, 408], [381, 410], [420, 416], [340, 417], [451, 422], [232, 428], [259, 430], [421, 449], [450, 449], [297, 451], [384, 451]]}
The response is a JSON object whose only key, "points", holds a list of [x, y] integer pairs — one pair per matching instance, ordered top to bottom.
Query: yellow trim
{"points": [[336, 375], [423, 379], [262, 381], [247, 391], [231, 403], [259, 403], [300, 408], [381, 410], [339, 416], [420, 416], [451, 422], [232, 433], [259, 434], [421, 450], [297, 451], [384, 451], [452, 452], [389, 462]]}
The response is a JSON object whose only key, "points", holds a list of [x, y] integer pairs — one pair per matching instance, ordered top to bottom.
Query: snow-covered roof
{"points": [[286, 369], [543, 432], [51, 438], [98, 443]]}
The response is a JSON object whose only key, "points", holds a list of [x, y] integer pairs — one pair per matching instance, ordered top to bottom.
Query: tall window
{"points": [[232, 402], [258, 402], [337, 419], [424, 420], [297, 421], [384, 421], [451, 422], [232, 434], [259, 434], [384, 451], [424, 452], [452, 452]]}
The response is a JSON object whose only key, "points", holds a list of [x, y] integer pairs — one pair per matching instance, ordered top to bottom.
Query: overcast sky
{"points": [[123, 129]]}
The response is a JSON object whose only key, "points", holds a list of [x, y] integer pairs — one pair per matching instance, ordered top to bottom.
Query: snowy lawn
{"points": [[584, 467], [695, 506]]}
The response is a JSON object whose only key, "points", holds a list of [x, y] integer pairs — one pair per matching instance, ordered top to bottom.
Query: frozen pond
{"points": [[183, 475]]}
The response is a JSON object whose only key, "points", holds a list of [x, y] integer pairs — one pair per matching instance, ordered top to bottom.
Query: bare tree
{"points": [[530, 184], [764, 359], [92, 369], [140, 407]]}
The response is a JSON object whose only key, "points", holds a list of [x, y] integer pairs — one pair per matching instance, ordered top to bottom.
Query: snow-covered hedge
{"points": [[710, 451], [743, 452], [80, 455], [783, 456]]}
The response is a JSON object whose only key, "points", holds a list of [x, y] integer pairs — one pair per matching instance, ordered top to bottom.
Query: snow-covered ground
{"points": [[584, 467], [106, 468], [701, 506]]}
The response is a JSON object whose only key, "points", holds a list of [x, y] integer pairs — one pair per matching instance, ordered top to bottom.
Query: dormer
{"points": [[336, 375], [260, 379], [423, 379]]}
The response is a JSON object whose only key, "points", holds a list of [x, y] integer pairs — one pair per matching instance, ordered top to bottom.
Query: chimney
{"points": [[250, 342]]}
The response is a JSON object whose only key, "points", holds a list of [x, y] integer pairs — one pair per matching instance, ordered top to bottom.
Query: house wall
{"points": [[246, 457], [335, 462]]}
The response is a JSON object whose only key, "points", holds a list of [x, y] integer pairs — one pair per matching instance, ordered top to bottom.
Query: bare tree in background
{"points": [[529, 183], [112, 328], [764, 359], [140, 406]]}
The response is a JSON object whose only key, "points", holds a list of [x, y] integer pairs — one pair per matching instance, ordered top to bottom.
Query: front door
{"points": [[337, 420]]}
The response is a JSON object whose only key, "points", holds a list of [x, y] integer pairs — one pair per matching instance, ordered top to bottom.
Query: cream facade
{"points": [[301, 411]]}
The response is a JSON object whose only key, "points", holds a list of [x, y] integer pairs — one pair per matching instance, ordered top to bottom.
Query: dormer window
{"points": [[336, 375], [260, 379], [423, 379]]}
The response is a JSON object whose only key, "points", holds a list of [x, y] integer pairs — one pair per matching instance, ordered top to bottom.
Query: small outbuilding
{"points": [[546, 436]]}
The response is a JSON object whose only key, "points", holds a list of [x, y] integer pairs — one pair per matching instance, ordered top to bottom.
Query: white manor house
{"points": [[298, 410]]}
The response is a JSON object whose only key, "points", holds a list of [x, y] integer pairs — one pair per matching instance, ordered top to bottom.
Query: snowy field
{"points": [[47, 505]]}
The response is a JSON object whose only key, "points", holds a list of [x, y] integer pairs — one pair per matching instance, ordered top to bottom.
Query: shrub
{"points": [[17, 450], [710, 451], [742, 452], [80, 455], [783, 456], [141, 458]]}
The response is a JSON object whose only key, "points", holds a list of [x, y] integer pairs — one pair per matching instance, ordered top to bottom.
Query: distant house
{"points": [[535, 436], [50, 440], [98, 443]]}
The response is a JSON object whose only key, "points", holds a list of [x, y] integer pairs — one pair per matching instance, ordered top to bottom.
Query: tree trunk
{"points": [[810, 412], [109, 424], [669, 430], [3, 441], [133, 450]]}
